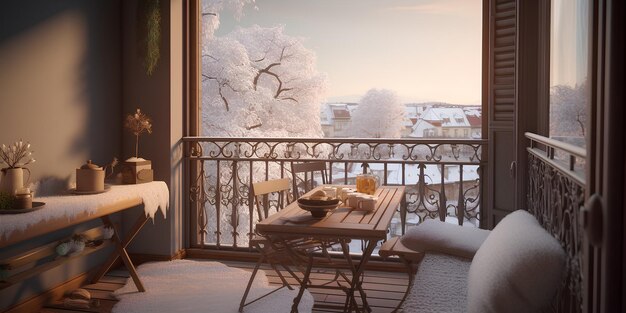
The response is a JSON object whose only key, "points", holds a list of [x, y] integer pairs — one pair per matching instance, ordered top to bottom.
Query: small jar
{"points": [[366, 183], [24, 201]]}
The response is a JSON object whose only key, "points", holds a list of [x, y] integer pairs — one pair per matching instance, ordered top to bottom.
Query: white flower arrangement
{"points": [[12, 155]]}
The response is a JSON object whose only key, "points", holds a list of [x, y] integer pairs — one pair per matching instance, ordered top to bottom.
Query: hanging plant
{"points": [[153, 35]]}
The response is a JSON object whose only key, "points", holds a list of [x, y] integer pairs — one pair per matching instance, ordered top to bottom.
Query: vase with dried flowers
{"points": [[16, 157], [135, 169]]}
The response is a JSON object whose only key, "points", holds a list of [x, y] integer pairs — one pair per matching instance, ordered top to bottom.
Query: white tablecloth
{"points": [[155, 197]]}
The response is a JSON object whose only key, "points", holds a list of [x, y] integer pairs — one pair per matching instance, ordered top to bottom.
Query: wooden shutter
{"points": [[502, 99]]}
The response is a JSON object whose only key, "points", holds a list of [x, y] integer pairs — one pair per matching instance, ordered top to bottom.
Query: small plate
{"points": [[107, 187], [36, 206]]}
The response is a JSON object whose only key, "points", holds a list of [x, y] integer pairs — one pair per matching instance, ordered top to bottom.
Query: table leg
{"points": [[121, 250], [357, 273], [305, 279], [350, 300]]}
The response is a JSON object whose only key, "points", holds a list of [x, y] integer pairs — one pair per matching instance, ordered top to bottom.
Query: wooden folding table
{"points": [[340, 225]]}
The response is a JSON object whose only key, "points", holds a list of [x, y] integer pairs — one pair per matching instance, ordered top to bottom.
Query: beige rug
{"points": [[202, 286]]}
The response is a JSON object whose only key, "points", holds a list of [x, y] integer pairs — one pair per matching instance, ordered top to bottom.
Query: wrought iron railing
{"points": [[443, 178], [556, 193]]}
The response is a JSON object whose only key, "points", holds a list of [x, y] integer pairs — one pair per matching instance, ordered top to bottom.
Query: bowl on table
{"points": [[318, 207]]}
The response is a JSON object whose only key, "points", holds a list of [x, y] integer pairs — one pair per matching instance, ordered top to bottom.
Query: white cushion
{"points": [[436, 236], [517, 269], [440, 285]]}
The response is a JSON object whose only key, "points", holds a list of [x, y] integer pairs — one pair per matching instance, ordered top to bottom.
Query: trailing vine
{"points": [[153, 36]]}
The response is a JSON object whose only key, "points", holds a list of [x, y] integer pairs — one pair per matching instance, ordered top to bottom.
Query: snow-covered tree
{"points": [[210, 11], [256, 82], [261, 82], [568, 110], [380, 114]]}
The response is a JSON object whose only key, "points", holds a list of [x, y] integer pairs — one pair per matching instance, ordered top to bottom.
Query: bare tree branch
{"points": [[266, 70], [208, 77], [219, 88], [279, 91], [290, 98], [581, 123]]}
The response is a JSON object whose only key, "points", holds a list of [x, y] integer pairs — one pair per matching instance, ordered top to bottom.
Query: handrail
{"points": [[337, 140], [564, 146], [574, 175]]}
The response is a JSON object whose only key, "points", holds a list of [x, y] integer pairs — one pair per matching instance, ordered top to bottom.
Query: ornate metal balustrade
{"points": [[443, 178], [555, 195]]}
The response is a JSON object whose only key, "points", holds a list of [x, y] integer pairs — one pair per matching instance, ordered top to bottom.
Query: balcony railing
{"points": [[443, 178], [556, 192]]}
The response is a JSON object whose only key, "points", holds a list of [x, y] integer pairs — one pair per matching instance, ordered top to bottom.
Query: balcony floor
{"points": [[384, 290]]}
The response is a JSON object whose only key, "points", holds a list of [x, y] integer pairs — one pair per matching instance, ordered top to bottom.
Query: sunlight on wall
{"points": [[43, 99]]}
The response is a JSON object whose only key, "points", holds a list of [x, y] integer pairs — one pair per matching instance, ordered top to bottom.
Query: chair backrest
{"points": [[307, 182], [262, 191]]}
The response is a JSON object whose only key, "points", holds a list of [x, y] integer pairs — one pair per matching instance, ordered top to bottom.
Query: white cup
{"points": [[338, 190], [330, 192], [344, 193], [352, 199], [366, 203]]}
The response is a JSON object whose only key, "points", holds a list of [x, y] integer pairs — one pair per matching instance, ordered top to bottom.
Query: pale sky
{"points": [[425, 50]]}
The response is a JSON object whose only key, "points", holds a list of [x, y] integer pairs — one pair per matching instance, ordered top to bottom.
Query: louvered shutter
{"points": [[502, 103]]}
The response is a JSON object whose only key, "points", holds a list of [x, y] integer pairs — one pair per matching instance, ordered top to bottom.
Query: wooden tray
{"points": [[107, 187], [36, 206]]}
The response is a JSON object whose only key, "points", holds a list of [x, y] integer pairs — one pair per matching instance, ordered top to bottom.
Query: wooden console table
{"points": [[83, 208]]}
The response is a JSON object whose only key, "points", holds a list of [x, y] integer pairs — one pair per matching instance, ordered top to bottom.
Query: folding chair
{"points": [[307, 182], [271, 253]]}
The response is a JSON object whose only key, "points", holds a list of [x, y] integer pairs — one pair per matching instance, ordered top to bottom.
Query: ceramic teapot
{"points": [[89, 178]]}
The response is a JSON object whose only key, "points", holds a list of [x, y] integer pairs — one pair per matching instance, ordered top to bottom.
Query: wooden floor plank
{"points": [[383, 289]]}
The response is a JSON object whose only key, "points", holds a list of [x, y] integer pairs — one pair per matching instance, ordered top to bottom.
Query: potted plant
{"points": [[15, 157], [135, 169]]}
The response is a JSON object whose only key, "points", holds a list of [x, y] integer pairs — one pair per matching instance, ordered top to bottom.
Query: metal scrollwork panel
{"points": [[442, 177], [555, 199]]}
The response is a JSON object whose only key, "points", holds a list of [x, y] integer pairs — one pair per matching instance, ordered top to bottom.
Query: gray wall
{"points": [[70, 72], [59, 83], [60, 89], [160, 97]]}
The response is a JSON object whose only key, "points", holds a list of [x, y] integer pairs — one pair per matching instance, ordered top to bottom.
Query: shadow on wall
{"points": [[60, 84]]}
